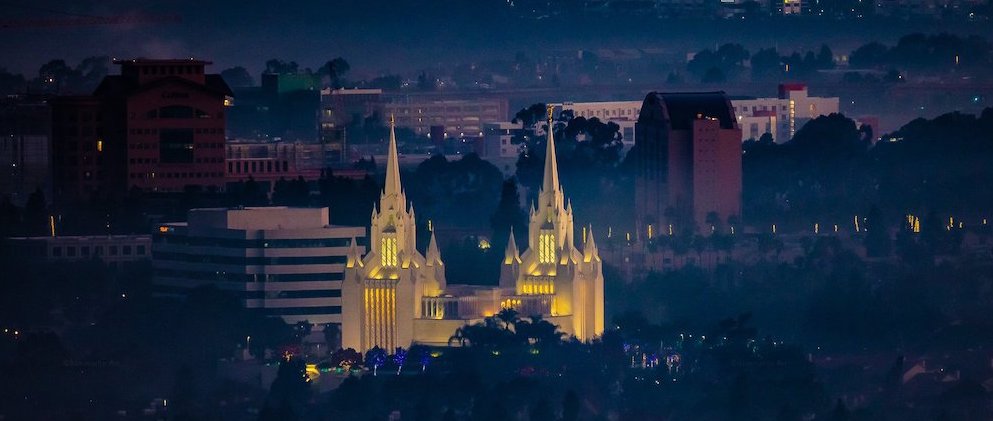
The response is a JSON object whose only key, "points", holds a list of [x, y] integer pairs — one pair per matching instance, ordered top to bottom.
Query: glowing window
{"points": [[546, 248], [389, 252]]}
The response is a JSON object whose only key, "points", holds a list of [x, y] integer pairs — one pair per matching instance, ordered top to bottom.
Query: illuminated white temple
{"points": [[395, 296]]}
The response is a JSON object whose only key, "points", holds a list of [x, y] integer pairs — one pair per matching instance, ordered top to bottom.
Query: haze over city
{"points": [[496, 210]]}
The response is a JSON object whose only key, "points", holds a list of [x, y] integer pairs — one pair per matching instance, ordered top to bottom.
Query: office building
{"points": [[339, 109], [783, 115], [459, 118], [158, 126], [498, 140], [25, 147], [689, 164], [110, 249], [286, 262]]}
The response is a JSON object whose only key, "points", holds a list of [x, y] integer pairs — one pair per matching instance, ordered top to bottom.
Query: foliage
{"points": [[715, 66], [237, 77], [454, 192], [508, 215], [346, 358], [375, 358]]}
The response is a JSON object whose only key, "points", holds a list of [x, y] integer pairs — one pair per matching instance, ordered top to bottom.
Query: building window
{"points": [[176, 146], [546, 248], [389, 252]]}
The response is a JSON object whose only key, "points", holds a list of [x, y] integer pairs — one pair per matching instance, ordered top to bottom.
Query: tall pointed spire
{"points": [[551, 178], [392, 184], [589, 249], [354, 255], [433, 255], [511, 255]]}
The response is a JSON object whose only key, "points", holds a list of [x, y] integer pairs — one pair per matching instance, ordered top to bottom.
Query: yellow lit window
{"points": [[546, 248], [389, 252]]}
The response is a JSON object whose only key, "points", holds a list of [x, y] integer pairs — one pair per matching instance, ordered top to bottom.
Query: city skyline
{"points": [[496, 210]]}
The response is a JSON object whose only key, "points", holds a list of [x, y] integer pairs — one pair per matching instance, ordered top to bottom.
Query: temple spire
{"points": [[550, 182], [392, 184], [589, 249], [354, 255], [433, 255], [511, 255]]}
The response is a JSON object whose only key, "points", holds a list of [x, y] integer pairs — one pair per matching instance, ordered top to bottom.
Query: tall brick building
{"points": [[158, 126], [689, 163]]}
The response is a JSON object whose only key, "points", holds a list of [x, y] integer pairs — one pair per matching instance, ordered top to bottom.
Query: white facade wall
{"points": [[780, 117], [287, 262]]}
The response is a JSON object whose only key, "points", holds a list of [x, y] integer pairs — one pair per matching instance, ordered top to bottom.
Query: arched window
{"points": [[176, 111], [180, 111], [546, 248], [388, 254]]}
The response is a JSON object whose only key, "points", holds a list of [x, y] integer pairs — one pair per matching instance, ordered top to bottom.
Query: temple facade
{"points": [[395, 296]]}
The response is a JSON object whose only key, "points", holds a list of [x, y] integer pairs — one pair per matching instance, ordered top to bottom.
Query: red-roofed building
{"points": [[158, 126]]}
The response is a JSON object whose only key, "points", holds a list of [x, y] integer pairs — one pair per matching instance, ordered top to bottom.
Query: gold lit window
{"points": [[546, 248], [389, 252]]}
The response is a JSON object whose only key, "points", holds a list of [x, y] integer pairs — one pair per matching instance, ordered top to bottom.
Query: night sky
{"points": [[379, 36]]}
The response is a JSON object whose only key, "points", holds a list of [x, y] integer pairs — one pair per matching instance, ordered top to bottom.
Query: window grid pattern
{"points": [[546, 248], [389, 252]]}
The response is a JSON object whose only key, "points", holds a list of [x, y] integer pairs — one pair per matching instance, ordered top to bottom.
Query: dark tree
{"points": [[766, 64], [277, 66], [334, 71], [237, 77], [11, 83], [534, 113], [509, 214], [36, 216], [877, 238], [291, 388], [570, 406], [541, 411]]}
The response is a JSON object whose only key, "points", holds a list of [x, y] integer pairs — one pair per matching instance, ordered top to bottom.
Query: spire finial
{"points": [[551, 178], [392, 184]]}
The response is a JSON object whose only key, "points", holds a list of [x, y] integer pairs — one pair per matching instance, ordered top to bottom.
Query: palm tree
{"points": [[508, 316], [538, 331], [459, 337], [375, 358]]}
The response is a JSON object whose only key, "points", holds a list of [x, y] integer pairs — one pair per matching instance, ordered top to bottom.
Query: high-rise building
{"points": [[341, 107], [781, 116], [460, 118], [158, 126], [25, 147], [85, 161], [689, 163], [286, 262], [394, 295]]}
